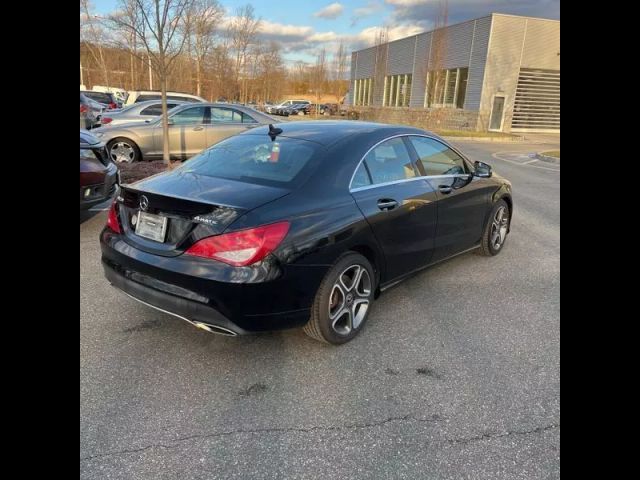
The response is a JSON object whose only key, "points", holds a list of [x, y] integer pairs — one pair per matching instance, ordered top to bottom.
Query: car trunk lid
{"points": [[196, 206]]}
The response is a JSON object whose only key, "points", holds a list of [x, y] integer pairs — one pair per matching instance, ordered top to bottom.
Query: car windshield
{"points": [[257, 159]]}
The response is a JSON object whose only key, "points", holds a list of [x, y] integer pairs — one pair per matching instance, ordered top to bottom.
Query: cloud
{"points": [[332, 11], [366, 11], [425, 12], [324, 37], [368, 37]]}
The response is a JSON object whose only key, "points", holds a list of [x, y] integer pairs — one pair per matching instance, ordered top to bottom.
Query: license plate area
{"points": [[153, 227]]}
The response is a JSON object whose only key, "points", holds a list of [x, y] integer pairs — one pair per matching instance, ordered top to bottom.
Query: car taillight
{"points": [[113, 106], [83, 108], [105, 120], [112, 219], [243, 247]]}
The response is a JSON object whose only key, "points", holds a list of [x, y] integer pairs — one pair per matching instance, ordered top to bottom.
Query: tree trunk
{"points": [[165, 123]]}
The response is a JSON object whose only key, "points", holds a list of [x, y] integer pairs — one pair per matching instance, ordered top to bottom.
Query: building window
{"points": [[446, 88], [397, 90], [363, 91]]}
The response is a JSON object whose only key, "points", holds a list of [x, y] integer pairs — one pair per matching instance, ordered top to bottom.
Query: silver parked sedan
{"points": [[137, 113], [192, 128]]}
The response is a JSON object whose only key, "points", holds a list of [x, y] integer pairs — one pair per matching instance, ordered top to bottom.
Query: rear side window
{"points": [[154, 110], [228, 115], [189, 116], [436, 158], [256, 159], [389, 162], [361, 177]]}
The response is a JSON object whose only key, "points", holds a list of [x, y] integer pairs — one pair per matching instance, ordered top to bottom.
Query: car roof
{"points": [[158, 92], [146, 103], [327, 132]]}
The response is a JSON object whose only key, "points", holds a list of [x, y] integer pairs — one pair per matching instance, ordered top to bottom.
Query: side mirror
{"points": [[482, 170]]}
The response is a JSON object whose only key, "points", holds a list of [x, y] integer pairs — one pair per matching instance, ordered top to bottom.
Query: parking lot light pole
{"points": [[150, 73]]}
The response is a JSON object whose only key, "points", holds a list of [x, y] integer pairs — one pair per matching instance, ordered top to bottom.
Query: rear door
{"points": [[226, 122], [187, 132], [462, 198], [398, 204]]}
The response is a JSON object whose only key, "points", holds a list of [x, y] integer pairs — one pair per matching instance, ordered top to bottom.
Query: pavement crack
{"points": [[353, 426], [491, 436]]}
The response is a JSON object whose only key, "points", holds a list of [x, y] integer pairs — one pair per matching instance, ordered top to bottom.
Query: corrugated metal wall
{"points": [[516, 42], [466, 45], [493, 47], [400, 56], [477, 62], [419, 85]]}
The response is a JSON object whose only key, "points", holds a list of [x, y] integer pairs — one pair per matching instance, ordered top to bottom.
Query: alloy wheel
{"points": [[122, 152], [499, 226], [349, 299]]}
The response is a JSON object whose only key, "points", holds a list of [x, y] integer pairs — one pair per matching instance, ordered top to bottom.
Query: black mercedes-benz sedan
{"points": [[300, 224]]}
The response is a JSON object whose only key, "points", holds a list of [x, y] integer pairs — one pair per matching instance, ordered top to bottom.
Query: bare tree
{"points": [[202, 18], [156, 26], [243, 31], [93, 36], [126, 39], [380, 66], [340, 69], [271, 72], [320, 75], [436, 75]]}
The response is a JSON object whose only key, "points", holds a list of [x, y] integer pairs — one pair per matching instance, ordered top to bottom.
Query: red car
{"points": [[99, 176]]}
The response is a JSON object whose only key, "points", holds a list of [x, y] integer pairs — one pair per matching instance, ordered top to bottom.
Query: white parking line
{"points": [[498, 157], [98, 209]]}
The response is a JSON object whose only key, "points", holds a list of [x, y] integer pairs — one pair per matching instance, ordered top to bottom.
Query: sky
{"points": [[303, 27]]}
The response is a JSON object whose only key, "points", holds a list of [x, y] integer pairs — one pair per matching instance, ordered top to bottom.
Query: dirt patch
{"points": [[132, 172]]}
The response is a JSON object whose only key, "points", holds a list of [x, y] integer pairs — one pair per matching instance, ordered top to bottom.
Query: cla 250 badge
{"points": [[207, 220]]}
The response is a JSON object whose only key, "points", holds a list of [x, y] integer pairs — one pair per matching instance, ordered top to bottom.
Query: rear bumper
{"points": [[200, 290], [190, 311]]}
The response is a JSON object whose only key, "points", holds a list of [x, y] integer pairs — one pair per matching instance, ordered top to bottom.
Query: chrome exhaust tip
{"points": [[214, 329]]}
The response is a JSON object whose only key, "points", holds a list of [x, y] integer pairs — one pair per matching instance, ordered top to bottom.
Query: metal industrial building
{"points": [[501, 71]]}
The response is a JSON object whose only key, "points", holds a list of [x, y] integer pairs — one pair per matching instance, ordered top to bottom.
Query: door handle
{"points": [[198, 129], [446, 189], [386, 204]]}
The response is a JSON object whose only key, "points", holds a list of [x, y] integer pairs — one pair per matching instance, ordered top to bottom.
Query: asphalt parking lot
{"points": [[455, 376]]}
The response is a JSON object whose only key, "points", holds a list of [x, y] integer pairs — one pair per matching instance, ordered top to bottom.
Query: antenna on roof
{"points": [[273, 132]]}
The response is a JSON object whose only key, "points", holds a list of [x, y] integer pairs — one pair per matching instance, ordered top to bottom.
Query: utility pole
{"points": [[150, 74]]}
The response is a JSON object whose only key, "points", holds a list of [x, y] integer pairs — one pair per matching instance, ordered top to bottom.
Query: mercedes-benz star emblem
{"points": [[144, 203]]}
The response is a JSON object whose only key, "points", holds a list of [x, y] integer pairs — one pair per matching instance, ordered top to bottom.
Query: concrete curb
{"points": [[547, 158]]}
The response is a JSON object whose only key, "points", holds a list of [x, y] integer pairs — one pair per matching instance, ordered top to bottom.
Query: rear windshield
{"points": [[99, 96], [257, 159]]}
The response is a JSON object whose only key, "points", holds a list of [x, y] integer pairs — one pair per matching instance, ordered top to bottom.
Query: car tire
{"points": [[129, 153], [496, 230], [343, 300]]}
